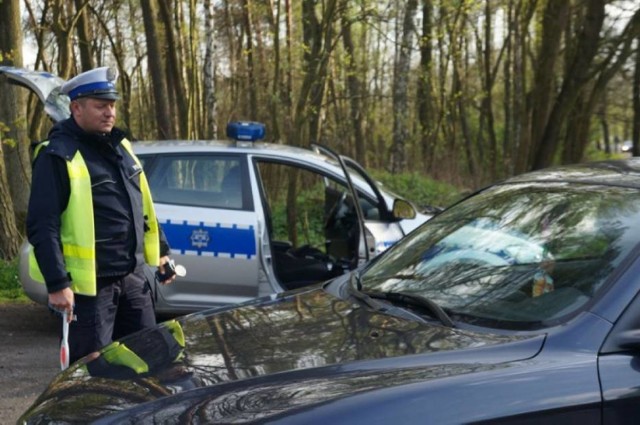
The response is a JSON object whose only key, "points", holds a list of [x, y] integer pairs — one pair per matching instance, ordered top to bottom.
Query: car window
{"points": [[203, 181], [316, 209], [309, 215], [297, 217], [517, 256]]}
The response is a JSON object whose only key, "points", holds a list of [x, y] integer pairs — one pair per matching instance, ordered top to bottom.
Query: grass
{"points": [[422, 191], [10, 288]]}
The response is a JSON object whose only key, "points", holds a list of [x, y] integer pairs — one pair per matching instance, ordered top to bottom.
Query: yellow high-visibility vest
{"points": [[77, 232]]}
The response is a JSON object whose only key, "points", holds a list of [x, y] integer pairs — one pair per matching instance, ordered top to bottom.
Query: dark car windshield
{"points": [[515, 256]]}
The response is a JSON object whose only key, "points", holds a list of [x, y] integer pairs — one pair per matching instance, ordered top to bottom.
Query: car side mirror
{"points": [[403, 209]]}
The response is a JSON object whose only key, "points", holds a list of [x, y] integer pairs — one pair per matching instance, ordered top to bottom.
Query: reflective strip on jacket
{"points": [[77, 231], [152, 232]]}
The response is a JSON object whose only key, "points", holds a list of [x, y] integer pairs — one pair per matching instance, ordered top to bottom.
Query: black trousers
{"points": [[121, 307]]}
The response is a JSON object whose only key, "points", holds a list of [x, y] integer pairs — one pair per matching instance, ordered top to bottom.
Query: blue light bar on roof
{"points": [[245, 131]]}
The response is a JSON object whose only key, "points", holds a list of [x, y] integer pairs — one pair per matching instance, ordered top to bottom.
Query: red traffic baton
{"points": [[64, 344]]}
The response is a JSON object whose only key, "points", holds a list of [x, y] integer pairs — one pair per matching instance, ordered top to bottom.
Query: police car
{"points": [[247, 218]]}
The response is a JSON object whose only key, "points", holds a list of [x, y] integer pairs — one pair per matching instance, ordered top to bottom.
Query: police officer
{"points": [[91, 222]]}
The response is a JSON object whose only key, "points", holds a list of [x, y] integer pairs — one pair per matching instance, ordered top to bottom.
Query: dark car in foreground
{"points": [[518, 304]]}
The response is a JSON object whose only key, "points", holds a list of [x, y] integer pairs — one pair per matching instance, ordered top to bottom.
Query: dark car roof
{"points": [[624, 172]]}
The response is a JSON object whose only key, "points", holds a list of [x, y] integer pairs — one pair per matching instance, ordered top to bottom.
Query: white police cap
{"points": [[98, 83]]}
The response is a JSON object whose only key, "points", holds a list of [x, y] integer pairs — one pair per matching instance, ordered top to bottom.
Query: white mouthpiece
{"points": [[180, 270]]}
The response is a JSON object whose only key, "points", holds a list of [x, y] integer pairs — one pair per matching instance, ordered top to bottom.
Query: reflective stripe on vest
{"points": [[77, 230], [152, 233]]}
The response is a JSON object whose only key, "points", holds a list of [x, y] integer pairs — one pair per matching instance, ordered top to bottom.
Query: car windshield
{"points": [[519, 256]]}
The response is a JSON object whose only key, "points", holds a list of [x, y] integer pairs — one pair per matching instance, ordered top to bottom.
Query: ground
{"points": [[29, 353]]}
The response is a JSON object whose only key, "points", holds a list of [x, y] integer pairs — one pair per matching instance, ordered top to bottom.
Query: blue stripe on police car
{"points": [[217, 239]]}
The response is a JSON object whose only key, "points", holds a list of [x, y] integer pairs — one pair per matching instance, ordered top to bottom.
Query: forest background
{"points": [[464, 92]]}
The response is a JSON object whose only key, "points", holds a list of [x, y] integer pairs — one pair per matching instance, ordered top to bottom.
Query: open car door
{"points": [[45, 85], [377, 225], [363, 244]]}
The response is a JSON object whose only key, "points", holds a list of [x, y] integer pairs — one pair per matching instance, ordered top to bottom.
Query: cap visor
{"points": [[107, 96]]}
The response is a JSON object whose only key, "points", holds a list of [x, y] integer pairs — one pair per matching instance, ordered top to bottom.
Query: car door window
{"points": [[213, 181], [311, 220]]}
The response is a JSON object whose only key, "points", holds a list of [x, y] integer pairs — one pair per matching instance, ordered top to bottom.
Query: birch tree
{"points": [[209, 73]]}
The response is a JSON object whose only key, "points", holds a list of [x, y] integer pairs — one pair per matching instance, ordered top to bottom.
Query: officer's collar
{"points": [[113, 138]]}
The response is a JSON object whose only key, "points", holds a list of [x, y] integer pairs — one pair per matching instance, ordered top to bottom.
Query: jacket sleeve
{"points": [[49, 197]]}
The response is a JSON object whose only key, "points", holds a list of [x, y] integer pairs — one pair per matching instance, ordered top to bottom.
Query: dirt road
{"points": [[29, 352]]}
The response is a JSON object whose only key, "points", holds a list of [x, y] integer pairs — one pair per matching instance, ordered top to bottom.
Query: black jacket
{"points": [[117, 203]]}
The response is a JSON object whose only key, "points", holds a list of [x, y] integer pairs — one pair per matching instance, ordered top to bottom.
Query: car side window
{"points": [[213, 181], [307, 208]]}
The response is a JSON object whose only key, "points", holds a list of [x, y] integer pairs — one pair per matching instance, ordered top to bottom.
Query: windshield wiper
{"points": [[355, 291], [414, 300]]}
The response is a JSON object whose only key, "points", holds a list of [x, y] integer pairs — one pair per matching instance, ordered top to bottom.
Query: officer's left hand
{"points": [[162, 270]]}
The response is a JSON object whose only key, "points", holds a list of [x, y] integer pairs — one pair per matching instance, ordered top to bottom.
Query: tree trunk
{"points": [[556, 15], [62, 25], [84, 36], [317, 48], [248, 51], [319, 63], [157, 68], [577, 76], [175, 84], [288, 91], [354, 91], [400, 91], [508, 99], [275, 100], [424, 101], [487, 102], [521, 107], [12, 111], [464, 124], [211, 126], [578, 127], [605, 127], [14, 163], [292, 210], [10, 238]]}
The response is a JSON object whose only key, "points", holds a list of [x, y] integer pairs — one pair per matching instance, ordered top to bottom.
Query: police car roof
{"points": [[187, 146], [292, 153]]}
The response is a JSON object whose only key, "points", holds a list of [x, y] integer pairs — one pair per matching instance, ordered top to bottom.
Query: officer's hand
{"points": [[165, 273], [62, 301]]}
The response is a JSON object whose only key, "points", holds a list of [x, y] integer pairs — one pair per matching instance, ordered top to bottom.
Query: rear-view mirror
{"points": [[403, 209]]}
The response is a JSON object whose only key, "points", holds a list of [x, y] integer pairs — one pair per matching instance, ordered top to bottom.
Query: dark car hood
{"points": [[267, 357]]}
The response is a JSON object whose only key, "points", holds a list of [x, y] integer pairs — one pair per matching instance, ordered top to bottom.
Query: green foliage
{"points": [[592, 153], [422, 191], [309, 225], [10, 288]]}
